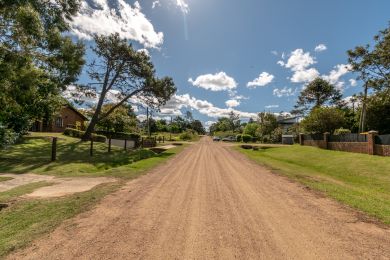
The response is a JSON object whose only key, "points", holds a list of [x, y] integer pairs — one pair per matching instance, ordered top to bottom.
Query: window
{"points": [[59, 122]]}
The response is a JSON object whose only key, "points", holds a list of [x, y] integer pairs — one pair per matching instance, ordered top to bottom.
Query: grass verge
{"points": [[5, 178], [358, 180]]}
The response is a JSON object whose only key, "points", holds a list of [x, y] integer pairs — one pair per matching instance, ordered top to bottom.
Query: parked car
{"points": [[216, 139], [229, 139]]}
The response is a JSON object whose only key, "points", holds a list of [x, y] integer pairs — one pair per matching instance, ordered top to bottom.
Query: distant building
{"points": [[68, 117], [286, 123]]}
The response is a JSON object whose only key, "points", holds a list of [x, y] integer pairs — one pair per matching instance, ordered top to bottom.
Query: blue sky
{"points": [[247, 56]]}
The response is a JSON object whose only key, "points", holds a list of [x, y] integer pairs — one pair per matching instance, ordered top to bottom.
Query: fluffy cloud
{"points": [[115, 16], [321, 47], [298, 60], [299, 63], [337, 72], [304, 75], [264, 79], [214, 82], [353, 82], [284, 92], [232, 103], [271, 106], [204, 107]]}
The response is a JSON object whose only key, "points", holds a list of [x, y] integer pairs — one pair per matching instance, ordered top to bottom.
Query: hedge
{"points": [[78, 134], [120, 135], [239, 138], [246, 138]]}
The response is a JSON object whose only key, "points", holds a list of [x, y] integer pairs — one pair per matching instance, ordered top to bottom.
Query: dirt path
{"points": [[210, 202]]}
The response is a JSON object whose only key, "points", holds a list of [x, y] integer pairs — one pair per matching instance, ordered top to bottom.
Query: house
{"points": [[68, 117], [286, 123]]}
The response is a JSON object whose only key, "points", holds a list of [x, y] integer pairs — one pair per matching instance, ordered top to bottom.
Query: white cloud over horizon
{"points": [[115, 16], [320, 47], [264, 79], [214, 82], [284, 92], [232, 103]]}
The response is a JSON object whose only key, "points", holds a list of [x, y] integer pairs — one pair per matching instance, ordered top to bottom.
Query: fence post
{"points": [[163, 139], [301, 139], [326, 140], [371, 142], [125, 144], [109, 145], [91, 148], [54, 149]]}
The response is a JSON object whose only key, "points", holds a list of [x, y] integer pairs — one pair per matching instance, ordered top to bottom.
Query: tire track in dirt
{"points": [[210, 202]]}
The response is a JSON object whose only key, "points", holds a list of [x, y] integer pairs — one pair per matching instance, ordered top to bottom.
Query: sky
{"points": [[244, 56]]}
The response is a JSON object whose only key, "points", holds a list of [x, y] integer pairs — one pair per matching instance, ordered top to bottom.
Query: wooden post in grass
{"points": [[163, 139], [301, 139], [371, 142], [125, 144], [109, 145], [91, 148], [54, 149]]}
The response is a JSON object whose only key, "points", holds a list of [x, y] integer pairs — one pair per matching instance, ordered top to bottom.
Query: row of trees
{"points": [[38, 61], [324, 109]]}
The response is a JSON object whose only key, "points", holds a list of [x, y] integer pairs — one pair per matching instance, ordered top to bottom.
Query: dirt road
{"points": [[210, 202]]}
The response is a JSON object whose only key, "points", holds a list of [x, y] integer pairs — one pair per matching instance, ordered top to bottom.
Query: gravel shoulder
{"points": [[211, 202]]}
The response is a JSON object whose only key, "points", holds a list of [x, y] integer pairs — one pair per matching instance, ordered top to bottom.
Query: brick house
{"points": [[67, 117]]}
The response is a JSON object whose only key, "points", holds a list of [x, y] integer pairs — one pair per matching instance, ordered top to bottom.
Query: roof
{"points": [[76, 111], [291, 120]]}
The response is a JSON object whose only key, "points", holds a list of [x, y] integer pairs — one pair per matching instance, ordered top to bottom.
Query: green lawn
{"points": [[73, 159], [5, 178], [358, 180], [26, 219]]}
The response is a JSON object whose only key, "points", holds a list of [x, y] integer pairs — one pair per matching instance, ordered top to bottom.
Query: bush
{"points": [[342, 131], [73, 132], [78, 134], [119, 135], [188, 135], [276, 135], [7, 137], [99, 138], [239, 138], [246, 138]]}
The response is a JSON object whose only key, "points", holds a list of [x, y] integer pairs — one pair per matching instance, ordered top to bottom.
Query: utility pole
{"points": [[362, 122]]}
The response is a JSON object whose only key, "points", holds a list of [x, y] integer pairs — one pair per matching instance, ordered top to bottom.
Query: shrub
{"points": [[342, 131], [78, 134], [120, 135], [188, 135], [276, 135], [7, 137], [99, 138], [239, 138], [246, 138]]}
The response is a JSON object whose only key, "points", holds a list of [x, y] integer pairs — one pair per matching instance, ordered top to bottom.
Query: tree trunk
{"points": [[95, 119]]}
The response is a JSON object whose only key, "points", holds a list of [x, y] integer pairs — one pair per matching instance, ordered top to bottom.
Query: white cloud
{"points": [[155, 4], [183, 6], [115, 16], [321, 47], [144, 51], [275, 53], [298, 60], [337, 72], [301, 76], [264, 79], [214, 82], [353, 82], [284, 92], [232, 103], [271, 106], [204, 107]]}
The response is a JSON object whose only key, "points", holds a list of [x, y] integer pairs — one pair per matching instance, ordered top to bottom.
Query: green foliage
{"points": [[37, 60], [373, 64], [119, 67], [317, 93], [378, 112], [122, 119], [323, 119], [268, 123], [225, 124], [197, 126], [251, 129], [342, 131], [79, 134], [120, 135], [189, 135], [276, 135], [7, 137], [239, 138], [246, 138]]}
